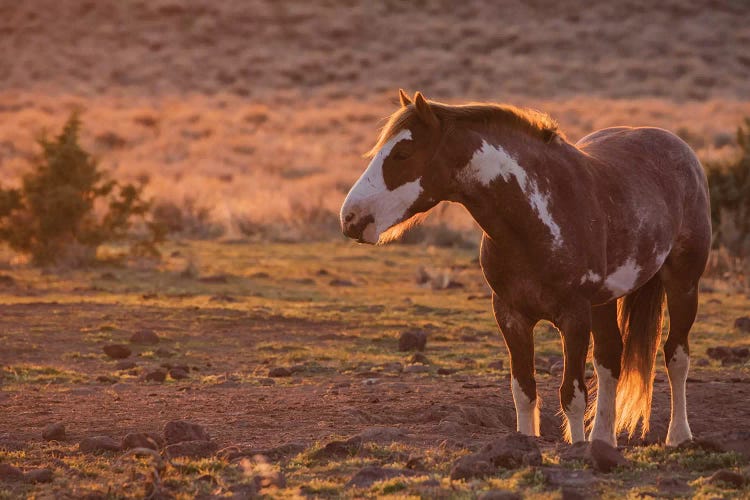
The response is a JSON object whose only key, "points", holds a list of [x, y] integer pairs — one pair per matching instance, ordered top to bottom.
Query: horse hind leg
{"points": [[682, 303], [607, 359]]}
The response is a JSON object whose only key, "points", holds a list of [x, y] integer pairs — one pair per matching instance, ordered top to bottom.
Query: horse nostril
{"points": [[349, 217]]}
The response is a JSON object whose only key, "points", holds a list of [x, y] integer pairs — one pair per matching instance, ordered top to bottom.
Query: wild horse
{"points": [[590, 236]]}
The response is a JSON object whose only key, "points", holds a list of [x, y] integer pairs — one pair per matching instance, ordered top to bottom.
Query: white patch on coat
{"points": [[490, 162], [370, 195], [590, 277], [623, 279], [677, 369], [606, 406], [527, 413], [575, 413]]}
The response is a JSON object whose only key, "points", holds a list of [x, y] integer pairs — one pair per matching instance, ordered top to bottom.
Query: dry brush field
{"points": [[260, 324]]}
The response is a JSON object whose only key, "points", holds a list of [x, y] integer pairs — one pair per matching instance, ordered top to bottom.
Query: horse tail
{"points": [[640, 316]]}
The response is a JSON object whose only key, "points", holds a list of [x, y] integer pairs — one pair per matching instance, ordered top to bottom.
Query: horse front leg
{"points": [[575, 328], [518, 333]]}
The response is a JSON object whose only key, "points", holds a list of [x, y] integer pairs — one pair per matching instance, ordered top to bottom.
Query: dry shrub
{"points": [[66, 207], [190, 220]]}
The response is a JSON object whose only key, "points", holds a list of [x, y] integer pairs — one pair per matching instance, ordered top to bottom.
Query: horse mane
{"points": [[533, 122]]}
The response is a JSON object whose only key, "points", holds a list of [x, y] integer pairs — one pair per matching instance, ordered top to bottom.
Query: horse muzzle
{"points": [[359, 226]]}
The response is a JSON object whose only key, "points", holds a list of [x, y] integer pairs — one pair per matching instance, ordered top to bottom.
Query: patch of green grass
{"points": [[37, 374], [692, 459]]}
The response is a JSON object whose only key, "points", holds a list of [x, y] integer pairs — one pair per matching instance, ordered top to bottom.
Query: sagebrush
{"points": [[66, 207]]}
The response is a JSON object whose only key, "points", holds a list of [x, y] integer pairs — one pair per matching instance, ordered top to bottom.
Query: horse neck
{"points": [[526, 167]]}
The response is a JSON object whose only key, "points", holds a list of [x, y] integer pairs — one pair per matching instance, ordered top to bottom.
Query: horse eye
{"points": [[401, 155]]}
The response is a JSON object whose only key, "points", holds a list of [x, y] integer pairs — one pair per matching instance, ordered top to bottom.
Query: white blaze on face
{"points": [[490, 162], [370, 196], [623, 279], [677, 369], [606, 409], [527, 413]]}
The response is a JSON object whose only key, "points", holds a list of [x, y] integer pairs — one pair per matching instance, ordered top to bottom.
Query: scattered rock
{"points": [[341, 282], [743, 324], [145, 337], [412, 340], [117, 351], [164, 353], [418, 357], [125, 365], [496, 365], [416, 369], [280, 371], [446, 371], [178, 373], [158, 375], [177, 431], [54, 432], [149, 440], [737, 441], [97, 444], [191, 449], [339, 449], [509, 452], [575, 452], [275, 454], [604, 457], [10, 473], [39, 476], [367, 476], [570, 478], [733, 479], [671, 486], [499, 495]]}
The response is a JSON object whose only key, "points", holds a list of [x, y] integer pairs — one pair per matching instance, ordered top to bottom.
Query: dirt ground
{"points": [[332, 314]]}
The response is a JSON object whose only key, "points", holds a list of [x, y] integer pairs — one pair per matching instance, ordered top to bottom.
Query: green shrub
{"points": [[729, 185], [66, 207]]}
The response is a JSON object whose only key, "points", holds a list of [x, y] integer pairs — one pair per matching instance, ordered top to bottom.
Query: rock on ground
{"points": [[145, 337], [412, 340], [117, 351], [279, 371], [158, 375], [177, 431], [54, 432], [149, 440], [98, 443], [191, 449], [509, 452], [274, 454], [598, 454], [39, 476], [367, 476], [733, 479]]}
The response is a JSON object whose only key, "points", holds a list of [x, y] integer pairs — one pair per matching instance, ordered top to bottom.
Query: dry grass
{"points": [[261, 110]]}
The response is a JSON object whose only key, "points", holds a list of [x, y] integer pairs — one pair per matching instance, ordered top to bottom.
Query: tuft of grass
{"points": [[37, 374]]}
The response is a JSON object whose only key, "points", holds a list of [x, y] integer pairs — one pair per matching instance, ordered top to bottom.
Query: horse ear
{"points": [[405, 101], [425, 111]]}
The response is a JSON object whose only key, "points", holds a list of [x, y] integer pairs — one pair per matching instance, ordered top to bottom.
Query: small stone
{"points": [[743, 324], [144, 337], [412, 340], [117, 351], [719, 352], [741, 352], [164, 353], [418, 357], [125, 365], [496, 365], [280, 371], [446, 371], [178, 374], [158, 375], [177, 431], [54, 432], [149, 440], [98, 443], [191, 449], [339, 449], [509, 452], [604, 457], [470, 467], [10, 473], [39, 476], [367, 476], [570, 478], [733, 479]]}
